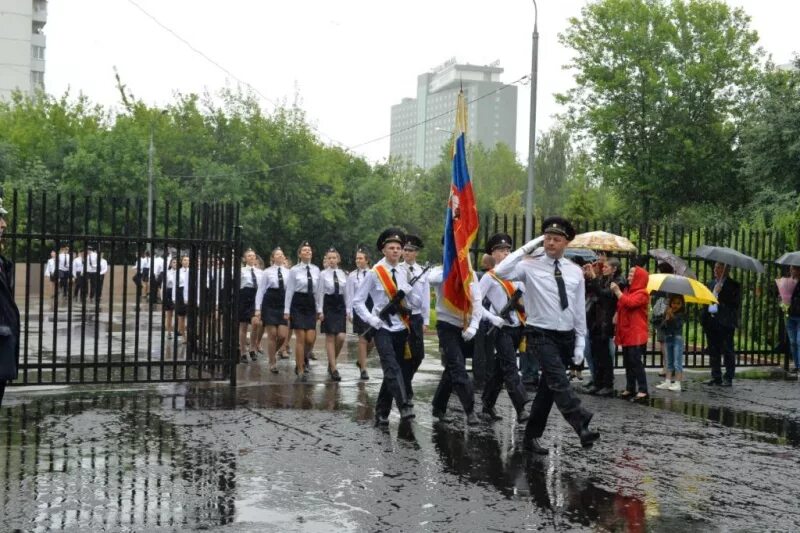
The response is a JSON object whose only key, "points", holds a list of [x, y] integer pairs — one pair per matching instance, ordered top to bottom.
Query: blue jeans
{"points": [[793, 331], [674, 345], [587, 355]]}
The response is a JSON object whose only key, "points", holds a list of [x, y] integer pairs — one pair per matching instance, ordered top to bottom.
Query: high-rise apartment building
{"points": [[22, 45], [422, 125]]}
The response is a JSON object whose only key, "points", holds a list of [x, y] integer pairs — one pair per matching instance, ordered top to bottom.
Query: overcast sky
{"points": [[349, 60]]}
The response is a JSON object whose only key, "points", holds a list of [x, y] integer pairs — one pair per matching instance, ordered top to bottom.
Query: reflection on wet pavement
{"points": [[273, 455]]}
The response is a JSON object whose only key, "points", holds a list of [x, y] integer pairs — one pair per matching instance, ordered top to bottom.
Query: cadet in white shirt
{"points": [[92, 265], [64, 269], [50, 270], [77, 273], [157, 277], [102, 278], [354, 281], [382, 284], [248, 287], [180, 295], [169, 298], [269, 305], [299, 307], [332, 310], [420, 314], [555, 325], [455, 331], [507, 333]]}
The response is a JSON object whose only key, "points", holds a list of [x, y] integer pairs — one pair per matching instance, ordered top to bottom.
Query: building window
{"points": [[37, 52], [37, 78]]}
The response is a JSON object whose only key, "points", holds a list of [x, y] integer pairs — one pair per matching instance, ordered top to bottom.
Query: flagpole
{"points": [[532, 135]]}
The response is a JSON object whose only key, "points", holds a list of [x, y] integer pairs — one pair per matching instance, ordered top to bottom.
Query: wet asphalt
{"points": [[275, 455]]}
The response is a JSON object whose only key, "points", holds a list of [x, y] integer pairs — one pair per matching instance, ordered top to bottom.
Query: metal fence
{"points": [[112, 327], [759, 341]]}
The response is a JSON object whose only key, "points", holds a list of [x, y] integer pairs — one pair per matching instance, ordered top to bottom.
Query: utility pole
{"points": [[532, 140], [150, 155]]}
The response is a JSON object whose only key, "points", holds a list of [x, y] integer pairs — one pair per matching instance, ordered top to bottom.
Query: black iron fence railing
{"points": [[98, 297]]}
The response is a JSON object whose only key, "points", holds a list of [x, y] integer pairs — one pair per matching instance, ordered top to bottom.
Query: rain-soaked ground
{"points": [[273, 455]]}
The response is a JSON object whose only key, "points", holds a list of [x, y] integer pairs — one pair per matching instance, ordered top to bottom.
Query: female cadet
{"points": [[354, 281], [248, 286], [181, 295], [169, 300], [269, 305], [300, 308], [332, 310]]}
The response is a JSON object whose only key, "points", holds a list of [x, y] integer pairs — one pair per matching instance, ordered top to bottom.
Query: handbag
{"points": [[659, 310], [8, 354]]}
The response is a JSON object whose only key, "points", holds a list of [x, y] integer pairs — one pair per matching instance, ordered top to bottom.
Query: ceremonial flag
{"points": [[461, 223]]}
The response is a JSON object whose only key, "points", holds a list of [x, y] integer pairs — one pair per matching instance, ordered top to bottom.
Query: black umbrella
{"points": [[729, 256], [790, 259], [678, 264]]}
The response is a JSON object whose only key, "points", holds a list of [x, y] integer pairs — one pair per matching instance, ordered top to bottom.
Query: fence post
{"points": [[233, 339]]}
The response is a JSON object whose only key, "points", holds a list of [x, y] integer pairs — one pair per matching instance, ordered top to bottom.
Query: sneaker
{"points": [[664, 385], [675, 386]]}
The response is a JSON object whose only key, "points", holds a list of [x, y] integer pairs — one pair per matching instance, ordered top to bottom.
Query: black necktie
{"points": [[411, 269], [253, 277], [394, 278], [280, 279], [310, 281], [335, 283], [562, 289]]}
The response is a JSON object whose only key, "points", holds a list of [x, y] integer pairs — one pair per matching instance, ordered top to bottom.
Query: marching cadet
{"points": [[92, 265], [64, 270], [50, 271], [77, 273], [157, 277], [354, 281], [382, 284], [248, 287], [169, 295], [180, 295], [269, 305], [300, 308], [332, 310], [420, 314], [555, 326], [455, 331], [508, 333]]}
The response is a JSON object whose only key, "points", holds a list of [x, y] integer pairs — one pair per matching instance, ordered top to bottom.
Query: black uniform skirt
{"points": [[146, 274], [167, 301], [247, 303], [180, 305], [272, 308], [303, 311], [334, 311], [359, 326]]}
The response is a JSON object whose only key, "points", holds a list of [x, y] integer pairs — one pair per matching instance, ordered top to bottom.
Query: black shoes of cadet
{"points": [[490, 414], [441, 416], [522, 417], [381, 420], [588, 436], [533, 445]]}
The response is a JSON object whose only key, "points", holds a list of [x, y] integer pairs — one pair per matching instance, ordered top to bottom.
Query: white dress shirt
{"points": [[64, 261], [91, 262], [77, 265], [103, 266], [158, 266], [51, 267], [249, 278], [182, 279], [269, 280], [354, 281], [171, 282], [297, 282], [326, 285], [372, 287], [421, 288], [493, 290], [542, 303], [444, 314]]}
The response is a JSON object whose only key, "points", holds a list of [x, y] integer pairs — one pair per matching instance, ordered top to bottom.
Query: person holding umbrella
{"points": [[719, 322]]}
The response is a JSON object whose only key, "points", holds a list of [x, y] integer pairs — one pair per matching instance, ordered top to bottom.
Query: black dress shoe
{"points": [[253, 357], [364, 375], [335, 376], [712, 382], [726, 383], [606, 391], [407, 412], [490, 414], [440, 415], [522, 417], [472, 419], [381, 420], [588, 437], [533, 445]]}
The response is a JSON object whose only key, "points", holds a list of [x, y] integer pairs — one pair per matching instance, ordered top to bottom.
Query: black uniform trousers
{"points": [[63, 282], [95, 284], [80, 285], [390, 346], [417, 346], [553, 348], [720, 349], [603, 364], [504, 369], [455, 374]]}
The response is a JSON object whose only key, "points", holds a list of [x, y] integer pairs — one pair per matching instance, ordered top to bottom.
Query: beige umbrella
{"points": [[603, 241]]}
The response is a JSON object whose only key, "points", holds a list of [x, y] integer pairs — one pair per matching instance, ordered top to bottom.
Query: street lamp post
{"points": [[532, 139], [150, 154]]}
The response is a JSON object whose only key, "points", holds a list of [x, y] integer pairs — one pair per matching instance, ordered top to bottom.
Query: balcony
{"points": [[40, 11]]}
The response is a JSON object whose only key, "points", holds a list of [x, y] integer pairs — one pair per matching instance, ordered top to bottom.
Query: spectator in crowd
{"points": [[672, 326], [632, 332]]}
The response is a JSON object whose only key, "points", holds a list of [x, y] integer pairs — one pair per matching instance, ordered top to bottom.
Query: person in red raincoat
{"points": [[632, 331]]}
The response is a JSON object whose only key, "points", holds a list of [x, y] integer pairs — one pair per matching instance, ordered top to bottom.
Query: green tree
{"points": [[661, 90]]}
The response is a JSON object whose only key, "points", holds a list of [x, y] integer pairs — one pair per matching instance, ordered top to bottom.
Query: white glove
{"points": [[530, 246], [495, 320], [376, 322], [468, 333], [577, 356]]}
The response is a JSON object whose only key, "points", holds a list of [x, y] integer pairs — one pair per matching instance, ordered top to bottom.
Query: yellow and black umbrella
{"points": [[692, 290]]}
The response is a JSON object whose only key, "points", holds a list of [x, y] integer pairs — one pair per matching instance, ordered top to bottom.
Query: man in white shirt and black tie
{"points": [[555, 325]]}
